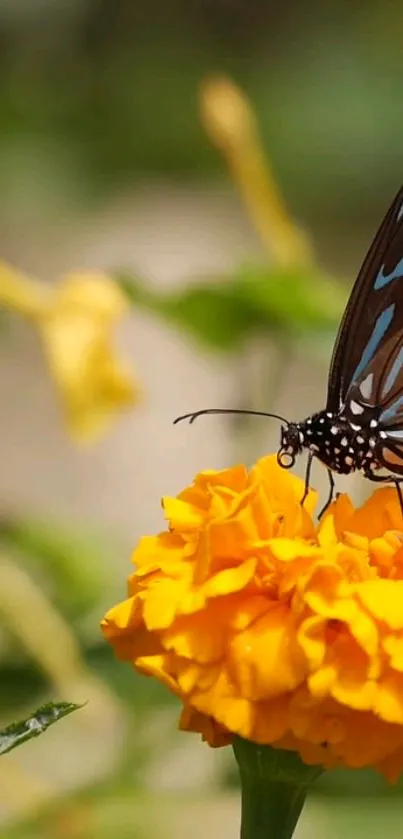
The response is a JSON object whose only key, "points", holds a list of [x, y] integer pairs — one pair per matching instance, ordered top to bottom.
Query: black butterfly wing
{"points": [[373, 316], [379, 385], [388, 395]]}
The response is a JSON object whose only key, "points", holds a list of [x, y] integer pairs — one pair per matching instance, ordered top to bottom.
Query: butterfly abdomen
{"points": [[341, 446]]}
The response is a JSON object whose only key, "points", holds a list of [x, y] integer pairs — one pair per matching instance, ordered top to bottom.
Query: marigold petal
{"points": [[340, 512], [381, 512], [181, 515], [327, 534], [229, 538], [287, 550], [230, 580], [384, 600], [162, 602], [243, 610], [121, 616], [269, 626], [200, 637], [311, 637], [268, 640], [393, 647], [160, 667], [196, 677], [389, 699], [269, 720], [212, 733]]}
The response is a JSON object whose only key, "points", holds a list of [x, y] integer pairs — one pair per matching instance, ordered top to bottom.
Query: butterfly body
{"points": [[339, 444]]}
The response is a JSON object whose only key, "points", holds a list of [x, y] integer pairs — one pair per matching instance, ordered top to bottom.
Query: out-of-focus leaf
{"points": [[304, 300], [212, 313], [224, 313], [70, 560], [19, 732]]}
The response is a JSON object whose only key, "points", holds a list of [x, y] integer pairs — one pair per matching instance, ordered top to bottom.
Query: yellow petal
{"points": [[75, 318], [230, 580], [384, 600], [271, 627], [268, 640]]}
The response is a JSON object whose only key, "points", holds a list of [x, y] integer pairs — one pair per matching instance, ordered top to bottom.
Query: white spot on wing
{"points": [[366, 386], [356, 408]]}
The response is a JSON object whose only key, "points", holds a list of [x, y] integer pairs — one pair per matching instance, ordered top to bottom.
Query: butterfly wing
{"points": [[374, 314], [367, 364], [379, 385]]}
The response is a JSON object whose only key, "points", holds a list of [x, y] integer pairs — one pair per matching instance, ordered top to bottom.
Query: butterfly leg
{"points": [[307, 478], [381, 479], [331, 491], [399, 493]]}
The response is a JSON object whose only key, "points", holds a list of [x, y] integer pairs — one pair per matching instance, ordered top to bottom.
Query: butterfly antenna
{"points": [[196, 414]]}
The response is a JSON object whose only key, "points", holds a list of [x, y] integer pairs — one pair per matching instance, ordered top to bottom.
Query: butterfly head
{"points": [[290, 445]]}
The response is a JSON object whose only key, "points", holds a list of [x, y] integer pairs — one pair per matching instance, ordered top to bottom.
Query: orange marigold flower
{"points": [[269, 625]]}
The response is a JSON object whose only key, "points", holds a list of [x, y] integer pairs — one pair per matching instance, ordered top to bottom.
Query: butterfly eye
{"points": [[285, 459]]}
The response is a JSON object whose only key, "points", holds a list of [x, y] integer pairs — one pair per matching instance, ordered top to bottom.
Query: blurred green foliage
{"points": [[110, 89], [222, 313], [67, 562]]}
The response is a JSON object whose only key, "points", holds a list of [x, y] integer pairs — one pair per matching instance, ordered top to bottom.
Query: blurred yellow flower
{"points": [[230, 122], [75, 318], [269, 625]]}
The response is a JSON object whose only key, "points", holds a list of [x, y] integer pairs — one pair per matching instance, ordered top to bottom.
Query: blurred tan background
{"points": [[107, 164]]}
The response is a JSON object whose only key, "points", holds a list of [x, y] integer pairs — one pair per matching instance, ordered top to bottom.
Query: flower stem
{"points": [[274, 787], [271, 815]]}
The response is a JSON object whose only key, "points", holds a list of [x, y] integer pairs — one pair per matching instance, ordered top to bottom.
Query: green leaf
{"points": [[303, 300], [212, 313], [224, 313], [19, 732]]}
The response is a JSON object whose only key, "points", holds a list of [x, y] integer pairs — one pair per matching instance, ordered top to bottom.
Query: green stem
{"points": [[274, 785], [269, 811]]}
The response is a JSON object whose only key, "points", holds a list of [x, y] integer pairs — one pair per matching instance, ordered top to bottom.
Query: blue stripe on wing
{"points": [[384, 279], [382, 324], [393, 373], [390, 413]]}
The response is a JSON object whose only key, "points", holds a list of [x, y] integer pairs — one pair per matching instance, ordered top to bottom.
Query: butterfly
{"points": [[361, 427]]}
